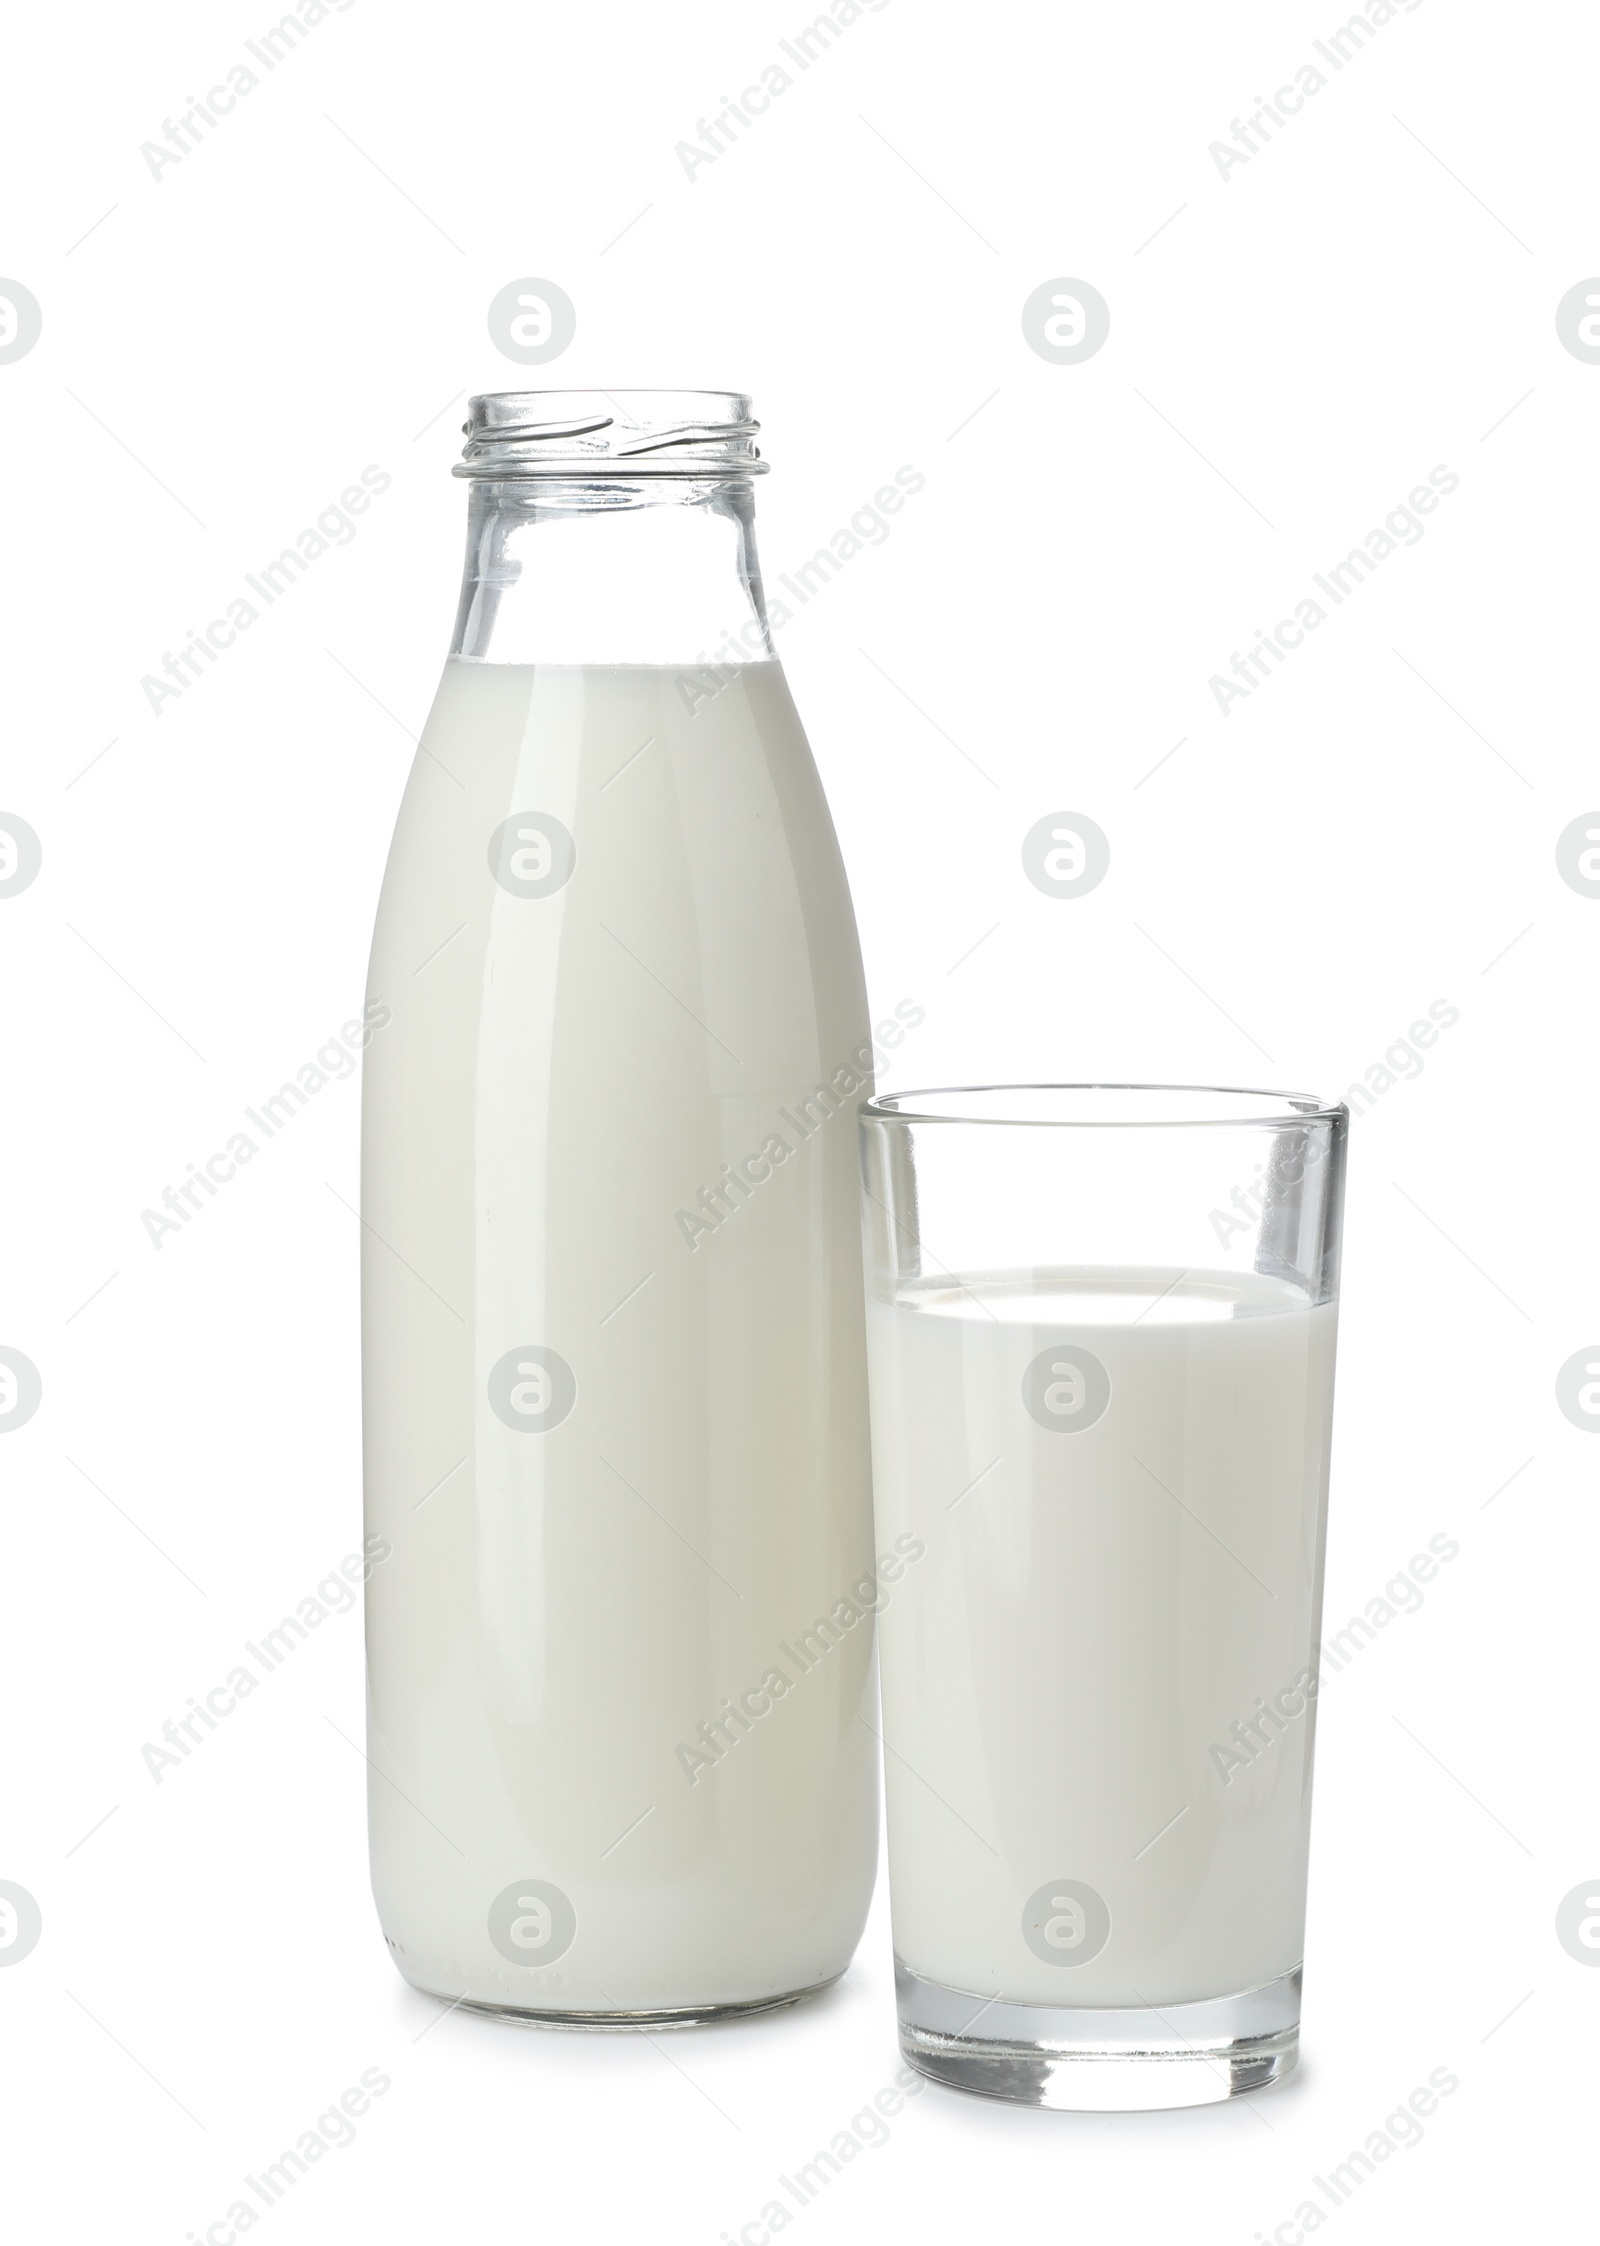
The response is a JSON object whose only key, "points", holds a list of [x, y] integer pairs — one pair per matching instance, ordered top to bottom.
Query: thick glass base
{"points": [[627, 2023], [1097, 2059]]}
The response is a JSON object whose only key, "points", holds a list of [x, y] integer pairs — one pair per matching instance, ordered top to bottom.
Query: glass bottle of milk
{"points": [[614, 1395]]}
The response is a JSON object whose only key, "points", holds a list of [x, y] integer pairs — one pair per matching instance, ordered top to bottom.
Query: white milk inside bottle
{"points": [[615, 1420]]}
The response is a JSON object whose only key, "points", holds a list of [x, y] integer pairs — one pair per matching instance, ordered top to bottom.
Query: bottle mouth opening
{"points": [[610, 433]]}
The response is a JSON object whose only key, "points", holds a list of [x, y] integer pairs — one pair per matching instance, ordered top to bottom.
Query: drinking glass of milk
{"points": [[1100, 1325], [619, 1628]]}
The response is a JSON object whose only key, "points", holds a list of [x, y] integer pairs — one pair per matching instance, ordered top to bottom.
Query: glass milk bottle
{"points": [[614, 1397]]}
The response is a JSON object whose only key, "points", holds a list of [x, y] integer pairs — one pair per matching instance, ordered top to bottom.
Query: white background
{"points": [[1372, 830]]}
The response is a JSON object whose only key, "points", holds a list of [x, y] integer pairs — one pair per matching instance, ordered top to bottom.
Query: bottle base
{"points": [[629, 2023], [1100, 2059]]}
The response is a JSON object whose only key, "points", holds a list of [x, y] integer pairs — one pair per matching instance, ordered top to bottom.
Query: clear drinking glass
{"points": [[1100, 1325]]}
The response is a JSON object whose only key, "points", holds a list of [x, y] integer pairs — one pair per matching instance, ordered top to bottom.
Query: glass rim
{"points": [[1233, 1106]]}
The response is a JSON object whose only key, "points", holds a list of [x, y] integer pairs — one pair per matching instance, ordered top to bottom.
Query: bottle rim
{"points": [[527, 434]]}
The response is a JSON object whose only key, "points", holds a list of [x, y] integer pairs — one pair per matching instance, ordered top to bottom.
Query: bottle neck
{"points": [[660, 570]]}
